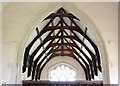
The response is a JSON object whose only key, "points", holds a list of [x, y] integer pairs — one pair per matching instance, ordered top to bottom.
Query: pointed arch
{"points": [[90, 23]]}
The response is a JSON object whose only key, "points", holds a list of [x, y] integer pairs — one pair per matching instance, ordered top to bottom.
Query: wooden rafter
{"points": [[65, 43]]}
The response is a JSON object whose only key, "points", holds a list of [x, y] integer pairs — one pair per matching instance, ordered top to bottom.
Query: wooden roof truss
{"points": [[61, 43]]}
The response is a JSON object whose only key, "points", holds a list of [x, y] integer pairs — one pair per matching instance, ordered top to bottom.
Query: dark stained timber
{"points": [[58, 43]]}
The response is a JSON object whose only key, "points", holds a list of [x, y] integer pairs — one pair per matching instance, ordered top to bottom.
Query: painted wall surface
{"points": [[17, 16], [0, 42]]}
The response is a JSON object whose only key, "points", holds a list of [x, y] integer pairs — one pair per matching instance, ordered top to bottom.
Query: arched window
{"points": [[62, 72]]}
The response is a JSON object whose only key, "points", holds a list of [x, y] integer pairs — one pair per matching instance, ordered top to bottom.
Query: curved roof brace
{"points": [[62, 43]]}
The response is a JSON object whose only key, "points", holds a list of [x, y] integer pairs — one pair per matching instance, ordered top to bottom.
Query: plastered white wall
{"points": [[16, 16], [0, 42], [9, 67]]}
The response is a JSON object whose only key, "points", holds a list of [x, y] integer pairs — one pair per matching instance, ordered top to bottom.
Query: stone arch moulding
{"points": [[81, 15]]}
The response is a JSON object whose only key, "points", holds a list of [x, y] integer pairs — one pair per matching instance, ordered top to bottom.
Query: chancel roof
{"points": [[63, 37]]}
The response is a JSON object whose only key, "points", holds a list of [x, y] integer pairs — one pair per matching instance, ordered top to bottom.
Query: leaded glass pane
{"points": [[62, 73]]}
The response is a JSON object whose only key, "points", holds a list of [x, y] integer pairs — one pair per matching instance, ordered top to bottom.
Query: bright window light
{"points": [[62, 73]]}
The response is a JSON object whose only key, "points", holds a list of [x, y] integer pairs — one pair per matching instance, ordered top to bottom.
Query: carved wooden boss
{"points": [[64, 46]]}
